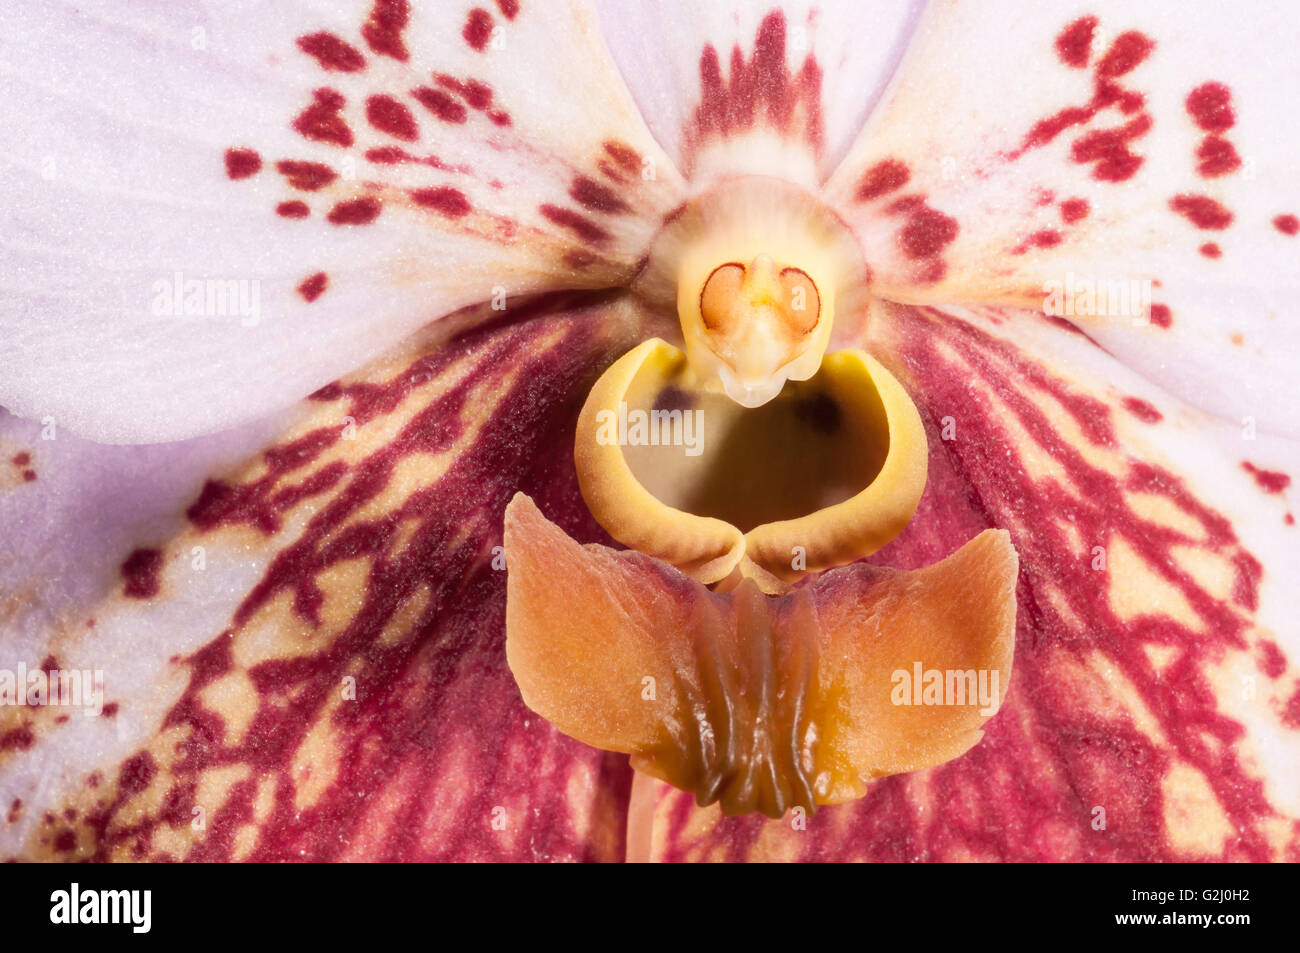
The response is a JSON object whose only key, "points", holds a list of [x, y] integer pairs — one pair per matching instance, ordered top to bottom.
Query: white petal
{"points": [[828, 60], [119, 200], [998, 209], [72, 509]]}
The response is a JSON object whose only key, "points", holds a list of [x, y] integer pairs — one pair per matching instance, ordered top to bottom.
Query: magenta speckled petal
{"points": [[331, 682]]}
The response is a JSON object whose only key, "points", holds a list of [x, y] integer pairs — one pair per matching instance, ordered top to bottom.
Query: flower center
{"points": [[756, 268]]}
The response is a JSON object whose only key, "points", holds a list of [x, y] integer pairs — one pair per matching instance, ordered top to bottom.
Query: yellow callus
{"points": [[824, 473]]}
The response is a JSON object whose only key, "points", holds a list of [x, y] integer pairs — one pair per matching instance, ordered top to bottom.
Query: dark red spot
{"points": [[509, 8], [478, 28], [383, 31], [1074, 43], [331, 52], [1125, 54], [476, 94], [440, 104], [1210, 106], [388, 115], [499, 117], [321, 121], [1108, 148], [388, 155], [1217, 157], [628, 159], [241, 163], [306, 176], [884, 177], [595, 197], [450, 202], [294, 209], [1074, 210], [360, 211], [1202, 211], [1287, 224], [580, 225], [927, 233], [1045, 238], [1211, 250], [314, 286], [1161, 316], [1142, 410], [22, 459], [29, 475], [1270, 481], [140, 572], [1272, 662], [111, 709], [17, 739], [137, 771], [15, 809], [66, 841]]}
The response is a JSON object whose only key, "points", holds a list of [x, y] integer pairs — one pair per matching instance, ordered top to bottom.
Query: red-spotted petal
{"points": [[776, 88], [1129, 168], [210, 210], [71, 509], [313, 666], [1155, 708]]}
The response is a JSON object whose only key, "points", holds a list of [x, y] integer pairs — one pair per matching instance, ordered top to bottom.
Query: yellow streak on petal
{"points": [[1164, 512], [1213, 572], [1136, 590], [401, 625], [276, 631], [1160, 656], [234, 698], [316, 762], [1194, 820]]}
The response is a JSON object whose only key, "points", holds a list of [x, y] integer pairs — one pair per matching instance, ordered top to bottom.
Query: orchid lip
{"points": [[826, 473]]}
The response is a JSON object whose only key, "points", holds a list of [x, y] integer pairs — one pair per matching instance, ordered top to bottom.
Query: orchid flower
{"points": [[312, 314]]}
